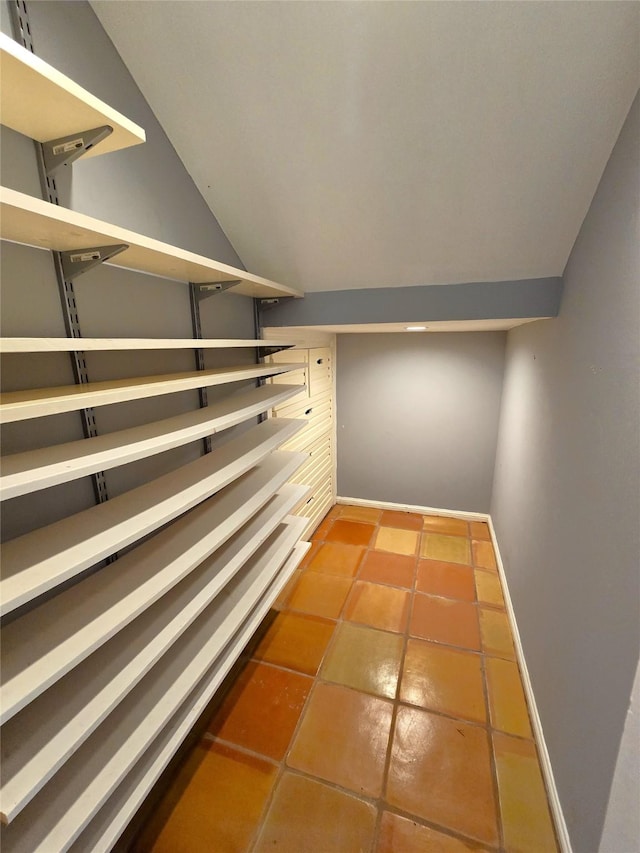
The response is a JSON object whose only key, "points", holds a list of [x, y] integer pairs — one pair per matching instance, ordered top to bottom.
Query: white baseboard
{"points": [[423, 510], [545, 761]]}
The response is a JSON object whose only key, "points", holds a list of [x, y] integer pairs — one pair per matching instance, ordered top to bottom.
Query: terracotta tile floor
{"points": [[381, 710]]}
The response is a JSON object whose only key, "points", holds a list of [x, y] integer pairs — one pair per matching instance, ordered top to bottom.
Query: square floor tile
{"points": [[361, 513], [402, 520], [440, 524], [479, 530], [350, 532], [320, 533], [397, 541], [451, 549], [483, 556], [308, 557], [334, 558], [392, 569], [452, 580], [488, 588], [287, 591], [320, 594], [380, 606], [445, 621], [496, 633], [295, 641], [365, 659], [444, 680], [507, 704], [262, 709], [343, 738], [440, 770], [217, 802], [306, 815], [526, 820], [401, 835]]}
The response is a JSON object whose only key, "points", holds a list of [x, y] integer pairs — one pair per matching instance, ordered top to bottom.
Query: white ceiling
{"points": [[374, 144]]}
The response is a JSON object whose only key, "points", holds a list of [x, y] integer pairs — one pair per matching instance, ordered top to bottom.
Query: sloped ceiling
{"points": [[375, 144]]}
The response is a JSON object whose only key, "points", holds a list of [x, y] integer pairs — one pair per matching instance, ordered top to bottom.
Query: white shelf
{"points": [[40, 102], [29, 220], [14, 345], [41, 402], [22, 473], [40, 560], [37, 741], [57, 815], [103, 831]]}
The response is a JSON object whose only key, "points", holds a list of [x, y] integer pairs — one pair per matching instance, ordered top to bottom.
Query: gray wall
{"points": [[147, 189], [417, 417], [566, 499]]}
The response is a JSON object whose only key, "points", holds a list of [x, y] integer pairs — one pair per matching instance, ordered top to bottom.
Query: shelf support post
{"points": [[196, 327]]}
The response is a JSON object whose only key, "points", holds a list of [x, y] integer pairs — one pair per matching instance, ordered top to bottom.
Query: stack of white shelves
{"points": [[106, 667]]}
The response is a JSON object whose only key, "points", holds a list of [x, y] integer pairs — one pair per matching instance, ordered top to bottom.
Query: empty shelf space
{"points": [[39, 101], [29, 220], [14, 345], [41, 402], [27, 472], [38, 561], [43, 645], [37, 741], [57, 815], [106, 827]]}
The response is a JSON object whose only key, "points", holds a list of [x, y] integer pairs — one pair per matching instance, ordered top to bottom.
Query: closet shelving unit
{"points": [[106, 667]]}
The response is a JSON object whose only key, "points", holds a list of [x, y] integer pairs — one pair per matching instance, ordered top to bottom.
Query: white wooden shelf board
{"points": [[39, 101], [31, 221], [23, 345], [41, 402], [22, 473], [40, 560], [45, 644], [38, 740], [62, 809], [106, 827]]}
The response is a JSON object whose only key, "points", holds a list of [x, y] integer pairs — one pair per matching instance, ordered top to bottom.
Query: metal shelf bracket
{"points": [[65, 150], [78, 261], [202, 291], [265, 304]]}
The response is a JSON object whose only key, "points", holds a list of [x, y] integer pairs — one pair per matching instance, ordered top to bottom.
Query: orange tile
{"points": [[334, 512], [361, 513], [403, 520], [439, 524], [479, 530], [350, 532], [320, 533], [397, 541], [452, 549], [483, 556], [308, 557], [334, 558], [393, 569], [452, 580], [488, 588], [287, 591], [320, 594], [379, 606], [445, 621], [496, 633], [295, 641], [365, 659], [444, 680], [507, 704], [262, 709], [343, 738], [440, 770], [219, 806], [307, 815], [526, 820], [401, 835]]}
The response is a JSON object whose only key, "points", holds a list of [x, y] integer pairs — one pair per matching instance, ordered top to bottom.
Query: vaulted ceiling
{"points": [[375, 144]]}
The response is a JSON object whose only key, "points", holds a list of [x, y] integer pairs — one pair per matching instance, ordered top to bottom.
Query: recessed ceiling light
{"points": [[415, 328]]}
